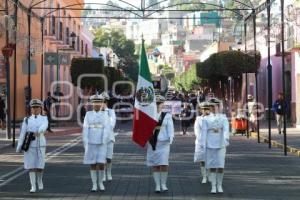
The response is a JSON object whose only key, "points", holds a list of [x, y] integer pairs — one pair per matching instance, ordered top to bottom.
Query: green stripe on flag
{"points": [[144, 67]]}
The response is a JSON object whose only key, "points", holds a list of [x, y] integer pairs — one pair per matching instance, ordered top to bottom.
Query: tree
{"points": [[191, 4], [122, 47], [95, 66], [220, 66], [167, 71], [187, 80]]}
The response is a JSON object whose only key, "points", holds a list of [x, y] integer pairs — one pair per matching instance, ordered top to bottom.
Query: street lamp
{"points": [[7, 52]]}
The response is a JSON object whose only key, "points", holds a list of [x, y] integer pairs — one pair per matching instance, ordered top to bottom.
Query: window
{"points": [[58, 22], [74, 26], [53, 27], [60, 31], [67, 35], [78, 43], [81, 47], [278, 49], [86, 50]]}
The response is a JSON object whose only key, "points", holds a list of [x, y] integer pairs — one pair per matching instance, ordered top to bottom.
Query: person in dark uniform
{"points": [[47, 108], [2, 113], [185, 118]]}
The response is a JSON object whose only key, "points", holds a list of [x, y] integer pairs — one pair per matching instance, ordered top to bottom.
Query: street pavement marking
{"points": [[20, 170]]}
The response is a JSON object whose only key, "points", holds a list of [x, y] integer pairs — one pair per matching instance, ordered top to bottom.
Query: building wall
{"points": [[52, 41], [21, 54]]}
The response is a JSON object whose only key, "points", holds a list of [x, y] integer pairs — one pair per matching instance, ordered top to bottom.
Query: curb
{"points": [[292, 150]]}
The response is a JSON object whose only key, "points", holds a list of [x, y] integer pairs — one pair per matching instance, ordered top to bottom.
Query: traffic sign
{"points": [[50, 58], [64, 59]]}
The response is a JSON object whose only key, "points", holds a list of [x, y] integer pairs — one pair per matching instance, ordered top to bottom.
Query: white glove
{"points": [[171, 140], [226, 142], [84, 144], [18, 150]]}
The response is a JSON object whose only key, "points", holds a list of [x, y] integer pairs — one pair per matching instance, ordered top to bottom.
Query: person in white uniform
{"points": [[252, 110], [95, 136], [215, 139], [33, 142], [110, 145], [158, 148], [199, 156]]}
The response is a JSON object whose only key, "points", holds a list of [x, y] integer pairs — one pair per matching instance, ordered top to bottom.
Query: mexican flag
{"points": [[145, 111]]}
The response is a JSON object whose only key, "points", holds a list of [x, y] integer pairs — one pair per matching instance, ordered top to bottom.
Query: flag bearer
{"points": [[95, 137], [215, 139], [33, 142], [110, 145], [159, 146], [199, 155]]}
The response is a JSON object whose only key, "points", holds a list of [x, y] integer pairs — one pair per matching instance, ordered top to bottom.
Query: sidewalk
{"points": [[67, 128], [293, 137]]}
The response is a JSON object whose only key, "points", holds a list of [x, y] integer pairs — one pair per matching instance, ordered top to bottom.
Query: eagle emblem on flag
{"points": [[145, 96]]}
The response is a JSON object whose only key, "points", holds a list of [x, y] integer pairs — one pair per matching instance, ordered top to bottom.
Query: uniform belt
{"points": [[96, 126], [215, 130], [35, 133], [39, 134]]}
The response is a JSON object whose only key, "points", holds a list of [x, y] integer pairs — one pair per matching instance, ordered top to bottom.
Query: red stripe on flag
{"points": [[143, 127]]}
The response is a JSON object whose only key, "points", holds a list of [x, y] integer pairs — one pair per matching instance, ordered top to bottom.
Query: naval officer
{"points": [[95, 137], [215, 139], [33, 142], [110, 145], [158, 148], [199, 156]]}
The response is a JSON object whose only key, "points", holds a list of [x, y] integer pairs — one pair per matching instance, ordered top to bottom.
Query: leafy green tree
{"points": [[191, 4], [122, 47], [80, 66], [220, 66], [188, 80]]}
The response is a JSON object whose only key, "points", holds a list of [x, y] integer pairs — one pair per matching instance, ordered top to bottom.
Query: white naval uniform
{"points": [[95, 136], [165, 138], [215, 139], [110, 144], [199, 155], [34, 157]]}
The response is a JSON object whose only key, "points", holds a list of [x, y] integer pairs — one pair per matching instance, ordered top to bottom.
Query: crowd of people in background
{"points": [[124, 102]]}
